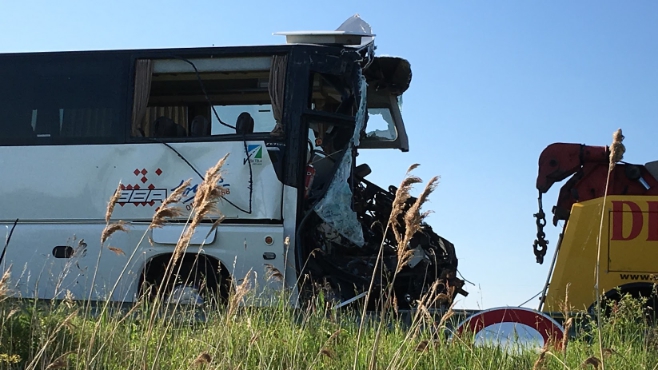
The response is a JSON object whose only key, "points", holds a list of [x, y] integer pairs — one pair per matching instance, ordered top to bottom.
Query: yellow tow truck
{"points": [[624, 219]]}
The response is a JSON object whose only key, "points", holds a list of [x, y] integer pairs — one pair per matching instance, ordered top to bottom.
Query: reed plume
{"points": [[617, 149], [112, 202], [205, 202], [399, 203], [167, 210], [413, 217], [118, 226], [111, 229], [117, 251], [4, 282], [240, 292]]}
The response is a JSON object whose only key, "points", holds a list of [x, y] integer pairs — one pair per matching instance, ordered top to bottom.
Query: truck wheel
{"points": [[650, 306]]}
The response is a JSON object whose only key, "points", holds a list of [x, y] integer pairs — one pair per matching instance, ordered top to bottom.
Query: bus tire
{"points": [[195, 279]]}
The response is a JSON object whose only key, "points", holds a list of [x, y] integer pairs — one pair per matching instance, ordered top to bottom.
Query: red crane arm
{"points": [[560, 160], [588, 166]]}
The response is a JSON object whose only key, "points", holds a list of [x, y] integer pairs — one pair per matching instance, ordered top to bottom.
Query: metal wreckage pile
{"points": [[349, 241], [346, 269]]}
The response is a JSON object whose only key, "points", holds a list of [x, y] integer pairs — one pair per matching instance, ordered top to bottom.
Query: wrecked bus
{"points": [[292, 118]]}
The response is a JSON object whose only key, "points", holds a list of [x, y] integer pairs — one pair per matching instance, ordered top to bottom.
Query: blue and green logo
{"points": [[254, 154]]}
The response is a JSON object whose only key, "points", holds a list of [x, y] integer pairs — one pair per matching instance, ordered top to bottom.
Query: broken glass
{"points": [[335, 207]]}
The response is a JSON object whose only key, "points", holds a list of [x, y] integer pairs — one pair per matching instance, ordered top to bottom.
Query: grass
{"points": [[55, 335], [151, 335]]}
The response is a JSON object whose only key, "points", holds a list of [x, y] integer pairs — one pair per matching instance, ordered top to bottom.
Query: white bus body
{"points": [[75, 125]]}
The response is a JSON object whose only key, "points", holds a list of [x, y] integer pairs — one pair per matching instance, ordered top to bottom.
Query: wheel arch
{"points": [[156, 265], [635, 290]]}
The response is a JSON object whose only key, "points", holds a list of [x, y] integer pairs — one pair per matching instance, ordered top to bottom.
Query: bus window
{"points": [[332, 94], [221, 97], [53, 99], [261, 114], [380, 125], [384, 126]]}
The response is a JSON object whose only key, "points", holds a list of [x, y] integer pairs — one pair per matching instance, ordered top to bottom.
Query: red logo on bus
{"points": [[142, 195]]}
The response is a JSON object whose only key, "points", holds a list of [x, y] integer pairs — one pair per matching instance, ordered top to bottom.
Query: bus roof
{"points": [[187, 51]]}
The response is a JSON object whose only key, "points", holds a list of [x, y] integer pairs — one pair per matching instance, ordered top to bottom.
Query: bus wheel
{"points": [[196, 280]]}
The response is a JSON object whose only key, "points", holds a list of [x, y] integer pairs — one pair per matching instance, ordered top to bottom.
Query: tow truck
{"points": [[625, 217]]}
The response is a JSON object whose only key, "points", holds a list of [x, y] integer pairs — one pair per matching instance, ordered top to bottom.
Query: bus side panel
{"points": [[75, 182], [253, 252], [59, 260]]}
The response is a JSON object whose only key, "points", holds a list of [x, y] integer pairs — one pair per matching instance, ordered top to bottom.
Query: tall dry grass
{"points": [[48, 336]]}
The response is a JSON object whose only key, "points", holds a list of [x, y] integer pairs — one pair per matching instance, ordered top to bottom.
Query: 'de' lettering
{"points": [[637, 220]]}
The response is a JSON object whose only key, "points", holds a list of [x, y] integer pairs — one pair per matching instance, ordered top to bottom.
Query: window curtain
{"points": [[143, 75], [276, 87], [177, 114], [92, 122]]}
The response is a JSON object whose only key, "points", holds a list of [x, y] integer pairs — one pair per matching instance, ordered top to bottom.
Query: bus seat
{"points": [[244, 124], [199, 126], [166, 127]]}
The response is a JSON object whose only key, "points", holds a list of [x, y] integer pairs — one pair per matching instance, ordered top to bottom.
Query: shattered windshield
{"points": [[380, 125]]}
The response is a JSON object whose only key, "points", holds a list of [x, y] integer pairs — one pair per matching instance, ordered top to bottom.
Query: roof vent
{"points": [[353, 32]]}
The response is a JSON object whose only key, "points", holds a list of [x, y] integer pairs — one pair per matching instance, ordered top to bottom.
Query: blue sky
{"points": [[493, 84]]}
